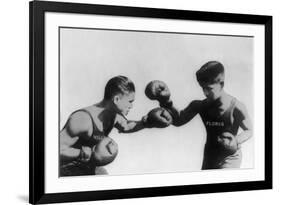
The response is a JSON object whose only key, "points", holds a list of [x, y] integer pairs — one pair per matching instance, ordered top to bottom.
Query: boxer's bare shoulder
{"points": [[240, 110], [79, 123]]}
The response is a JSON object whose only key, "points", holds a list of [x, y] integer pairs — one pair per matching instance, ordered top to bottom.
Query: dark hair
{"points": [[211, 72], [116, 85]]}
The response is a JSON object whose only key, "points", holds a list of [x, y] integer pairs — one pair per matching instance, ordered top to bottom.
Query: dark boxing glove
{"points": [[158, 90], [158, 118], [228, 143], [104, 152]]}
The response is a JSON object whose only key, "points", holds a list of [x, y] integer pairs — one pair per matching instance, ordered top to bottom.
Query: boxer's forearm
{"points": [[172, 110], [175, 113], [184, 116], [179, 117], [246, 125], [132, 126], [244, 136], [69, 153]]}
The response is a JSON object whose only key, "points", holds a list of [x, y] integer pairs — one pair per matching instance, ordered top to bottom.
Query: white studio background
{"points": [[90, 57], [14, 101]]}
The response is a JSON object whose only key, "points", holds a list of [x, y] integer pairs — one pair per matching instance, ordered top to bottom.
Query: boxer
{"points": [[221, 113], [86, 130]]}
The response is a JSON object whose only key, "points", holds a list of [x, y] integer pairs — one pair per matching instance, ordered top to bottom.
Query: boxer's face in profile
{"points": [[212, 91], [124, 102], [105, 151]]}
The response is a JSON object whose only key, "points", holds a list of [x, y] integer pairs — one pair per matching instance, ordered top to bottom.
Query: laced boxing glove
{"points": [[158, 118]]}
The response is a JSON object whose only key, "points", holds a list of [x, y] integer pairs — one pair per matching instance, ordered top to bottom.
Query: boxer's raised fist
{"points": [[158, 90]]}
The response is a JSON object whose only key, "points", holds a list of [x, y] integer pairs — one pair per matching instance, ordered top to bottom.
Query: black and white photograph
{"points": [[121, 102], [132, 102], [149, 102]]}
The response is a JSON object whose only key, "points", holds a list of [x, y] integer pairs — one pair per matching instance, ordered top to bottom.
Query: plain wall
{"points": [[15, 91]]}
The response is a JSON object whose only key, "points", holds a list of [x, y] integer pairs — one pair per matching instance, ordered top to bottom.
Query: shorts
{"points": [[229, 162], [76, 168]]}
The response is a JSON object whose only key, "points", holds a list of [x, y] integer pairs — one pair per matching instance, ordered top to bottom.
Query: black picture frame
{"points": [[37, 11]]}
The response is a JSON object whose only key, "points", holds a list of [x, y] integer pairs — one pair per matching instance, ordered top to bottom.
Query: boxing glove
{"points": [[158, 90], [158, 118], [227, 143], [104, 152]]}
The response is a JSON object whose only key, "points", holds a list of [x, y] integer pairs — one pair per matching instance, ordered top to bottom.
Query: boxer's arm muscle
{"points": [[241, 115], [184, 116], [77, 126]]}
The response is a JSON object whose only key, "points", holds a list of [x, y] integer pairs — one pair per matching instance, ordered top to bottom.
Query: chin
{"points": [[213, 98], [125, 113]]}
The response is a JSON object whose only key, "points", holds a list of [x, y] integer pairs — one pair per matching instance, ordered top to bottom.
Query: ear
{"points": [[116, 98], [94, 147]]}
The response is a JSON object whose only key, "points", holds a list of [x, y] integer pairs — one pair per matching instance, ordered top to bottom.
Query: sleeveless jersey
{"points": [[216, 124], [96, 135], [76, 167]]}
